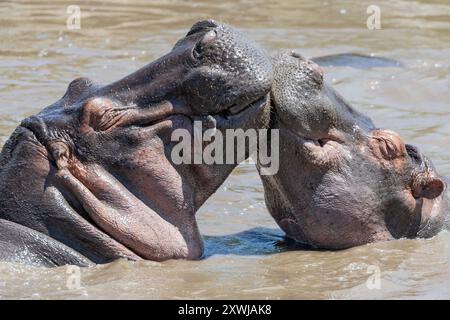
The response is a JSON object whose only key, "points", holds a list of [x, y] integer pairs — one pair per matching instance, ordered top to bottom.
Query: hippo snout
{"points": [[223, 57]]}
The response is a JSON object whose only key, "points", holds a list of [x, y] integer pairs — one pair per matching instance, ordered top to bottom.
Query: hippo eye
{"points": [[388, 144], [389, 149]]}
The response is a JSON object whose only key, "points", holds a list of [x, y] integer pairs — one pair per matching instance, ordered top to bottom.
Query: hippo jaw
{"points": [[105, 151], [342, 182]]}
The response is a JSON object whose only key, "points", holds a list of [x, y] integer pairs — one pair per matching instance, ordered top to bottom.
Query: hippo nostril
{"points": [[202, 25], [209, 37], [197, 51], [296, 55], [322, 142]]}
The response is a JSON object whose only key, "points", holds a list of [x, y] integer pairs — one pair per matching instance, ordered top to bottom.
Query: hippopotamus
{"points": [[90, 178], [342, 181]]}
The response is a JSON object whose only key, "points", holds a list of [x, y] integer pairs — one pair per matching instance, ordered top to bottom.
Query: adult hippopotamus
{"points": [[90, 178], [343, 182]]}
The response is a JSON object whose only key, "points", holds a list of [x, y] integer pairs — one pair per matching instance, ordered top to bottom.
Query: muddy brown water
{"points": [[39, 56]]}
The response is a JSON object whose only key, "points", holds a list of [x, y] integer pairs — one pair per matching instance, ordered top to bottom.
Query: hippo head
{"points": [[101, 155], [342, 182]]}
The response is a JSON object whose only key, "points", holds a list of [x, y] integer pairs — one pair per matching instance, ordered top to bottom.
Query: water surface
{"points": [[39, 56]]}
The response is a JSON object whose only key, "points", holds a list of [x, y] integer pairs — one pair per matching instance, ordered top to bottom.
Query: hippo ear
{"points": [[430, 188]]}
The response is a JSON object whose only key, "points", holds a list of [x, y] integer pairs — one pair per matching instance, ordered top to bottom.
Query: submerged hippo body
{"points": [[90, 178], [342, 182]]}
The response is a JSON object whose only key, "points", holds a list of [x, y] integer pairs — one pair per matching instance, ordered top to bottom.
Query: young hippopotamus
{"points": [[90, 178], [343, 182]]}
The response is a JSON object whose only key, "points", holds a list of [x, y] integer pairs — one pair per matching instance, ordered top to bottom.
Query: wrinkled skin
{"points": [[90, 178], [342, 182]]}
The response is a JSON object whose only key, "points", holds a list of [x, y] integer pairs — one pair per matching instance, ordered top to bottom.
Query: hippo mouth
{"points": [[238, 108], [238, 115], [233, 116], [324, 144], [320, 150]]}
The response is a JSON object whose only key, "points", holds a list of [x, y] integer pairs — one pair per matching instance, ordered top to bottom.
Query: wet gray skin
{"points": [[90, 178], [343, 182]]}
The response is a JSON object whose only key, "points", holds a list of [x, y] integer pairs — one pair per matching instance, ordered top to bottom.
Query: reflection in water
{"points": [[244, 259]]}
